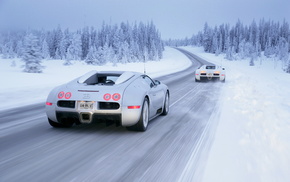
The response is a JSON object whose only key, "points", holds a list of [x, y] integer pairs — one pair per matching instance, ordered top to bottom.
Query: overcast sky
{"points": [[173, 18]]}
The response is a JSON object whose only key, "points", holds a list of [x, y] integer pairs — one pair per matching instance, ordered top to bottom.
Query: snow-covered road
{"points": [[251, 143], [174, 148]]}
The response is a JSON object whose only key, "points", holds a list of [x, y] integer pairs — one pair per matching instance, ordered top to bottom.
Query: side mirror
{"points": [[157, 82]]}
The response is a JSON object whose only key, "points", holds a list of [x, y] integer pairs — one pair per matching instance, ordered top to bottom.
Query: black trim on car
{"points": [[66, 103], [108, 105]]}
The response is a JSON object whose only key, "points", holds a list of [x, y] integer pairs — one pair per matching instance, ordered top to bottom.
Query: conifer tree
{"points": [[31, 55]]}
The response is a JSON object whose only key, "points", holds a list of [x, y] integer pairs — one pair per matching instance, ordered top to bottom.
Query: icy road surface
{"points": [[174, 147]]}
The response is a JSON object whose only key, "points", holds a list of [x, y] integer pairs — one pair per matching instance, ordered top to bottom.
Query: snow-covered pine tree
{"points": [[58, 36], [207, 38], [53, 39], [85, 40], [65, 43], [220, 43], [215, 45], [19, 46], [75, 48], [228, 48], [268, 48], [160, 49], [45, 50], [4, 51], [133, 51], [152, 51], [241, 52], [11, 53], [283, 53], [58, 54], [31, 55], [108, 55], [253, 55], [91, 56], [69, 57], [101, 60], [287, 69]]}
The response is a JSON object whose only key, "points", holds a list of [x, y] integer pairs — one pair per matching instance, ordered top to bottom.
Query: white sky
{"points": [[173, 18]]}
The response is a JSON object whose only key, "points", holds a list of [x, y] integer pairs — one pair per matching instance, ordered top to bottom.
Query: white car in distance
{"points": [[210, 72]]}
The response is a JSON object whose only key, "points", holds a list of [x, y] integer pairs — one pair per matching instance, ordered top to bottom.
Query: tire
{"points": [[196, 80], [224, 80], [166, 105], [142, 124], [59, 125]]}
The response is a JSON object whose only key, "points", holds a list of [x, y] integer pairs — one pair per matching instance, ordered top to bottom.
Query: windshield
{"points": [[210, 67], [103, 79]]}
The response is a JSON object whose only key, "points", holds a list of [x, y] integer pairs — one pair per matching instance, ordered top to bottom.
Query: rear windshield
{"points": [[210, 67], [103, 79]]}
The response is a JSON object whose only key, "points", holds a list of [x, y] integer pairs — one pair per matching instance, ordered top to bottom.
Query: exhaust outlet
{"points": [[86, 117]]}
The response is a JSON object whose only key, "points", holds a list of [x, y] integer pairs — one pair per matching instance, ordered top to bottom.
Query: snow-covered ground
{"points": [[19, 88], [252, 142]]}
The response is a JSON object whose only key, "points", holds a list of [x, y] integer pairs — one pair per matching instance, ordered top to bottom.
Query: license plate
{"points": [[209, 74], [86, 105]]}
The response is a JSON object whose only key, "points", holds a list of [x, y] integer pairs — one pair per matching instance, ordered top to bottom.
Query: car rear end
{"points": [[206, 73], [88, 99], [85, 105]]}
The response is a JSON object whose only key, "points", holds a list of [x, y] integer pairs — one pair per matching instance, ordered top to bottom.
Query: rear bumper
{"points": [[208, 78], [121, 116], [87, 117]]}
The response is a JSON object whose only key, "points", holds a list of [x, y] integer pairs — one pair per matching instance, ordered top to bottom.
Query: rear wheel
{"points": [[166, 104], [142, 124], [60, 125]]}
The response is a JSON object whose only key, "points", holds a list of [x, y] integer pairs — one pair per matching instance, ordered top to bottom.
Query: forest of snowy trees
{"points": [[240, 41], [141, 42], [111, 43]]}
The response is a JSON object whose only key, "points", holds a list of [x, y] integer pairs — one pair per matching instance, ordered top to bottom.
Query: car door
{"points": [[156, 95]]}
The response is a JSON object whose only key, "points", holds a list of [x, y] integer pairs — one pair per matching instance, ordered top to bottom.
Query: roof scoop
{"points": [[124, 77], [83, 78]]}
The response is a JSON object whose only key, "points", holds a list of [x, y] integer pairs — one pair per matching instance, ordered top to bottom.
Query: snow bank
{"points": [[19, 88], [252, 141]]}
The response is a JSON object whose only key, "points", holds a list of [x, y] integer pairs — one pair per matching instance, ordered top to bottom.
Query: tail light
{"points": [[60, 95], [68, 95], [48, 103], [134, 107]]}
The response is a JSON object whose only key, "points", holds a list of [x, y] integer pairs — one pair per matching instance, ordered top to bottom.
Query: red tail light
{"points": [[60, 95], [67, 95], [107, 97], [116, 97], [48, 103], [134, 107]]}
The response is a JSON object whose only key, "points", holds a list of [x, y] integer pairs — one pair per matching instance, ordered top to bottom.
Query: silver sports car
{"points": [[129, 99]]}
